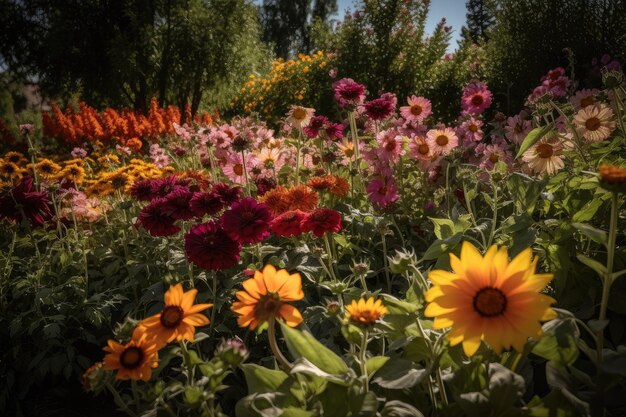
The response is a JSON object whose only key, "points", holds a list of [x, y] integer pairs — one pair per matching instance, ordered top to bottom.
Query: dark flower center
{"points": [[477, 100], [587, 101], [416, 110], [299, 113], [593, 124], [473, 128], [517, 129], [442, 140], [390, 145], [423, 149], [544, 150], [494, 157], [238, 169], [247, 215], [490, 302], [268, 306], [171, 316], [131, 357]]}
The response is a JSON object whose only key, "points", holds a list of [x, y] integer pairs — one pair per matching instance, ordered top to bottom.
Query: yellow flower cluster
{"points": [[288, 82], [99, 177]]}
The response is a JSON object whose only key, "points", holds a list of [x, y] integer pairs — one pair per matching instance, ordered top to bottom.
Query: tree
{"points": [[479, 19], [123, 52]]}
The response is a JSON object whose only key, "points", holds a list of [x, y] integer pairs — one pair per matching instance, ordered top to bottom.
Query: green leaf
{"points": [[532, 138], [588, 211], [443, 228], [593, 233], [440, 247], [593, 264], [558, 343], [303, 344], [375, 363], [304, 366], [398, 373], [261, 379], [505, 389], [397, 408], [297, 412]]}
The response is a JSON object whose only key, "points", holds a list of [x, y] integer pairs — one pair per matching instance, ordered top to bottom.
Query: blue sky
{"points": [[452, 10]]}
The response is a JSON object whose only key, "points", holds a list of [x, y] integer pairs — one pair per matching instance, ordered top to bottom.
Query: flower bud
{"points": [[401, 262], [232, 351]]}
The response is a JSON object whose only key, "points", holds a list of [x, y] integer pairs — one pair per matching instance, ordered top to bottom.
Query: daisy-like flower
{"points": [[348, 93], [476, 98], [583, 98], [379, 108], [419, 108], [299, 116], [317, 123], [595, 123], [517, 128], [472, 131], [442, 141], [390, 146], [347, 149], [420, 149], [492, 154], [14, 157], [545, 157], [271, 159], [234, 168], [9, 169], [47, 169], [73, 173], [383, 191], [301, 197], [24, 202], [157, 219], [321, 221], [288, 223], [210, 247], [267, 295], [489, 298], [366, 312], [178, 319], [134, 360]]}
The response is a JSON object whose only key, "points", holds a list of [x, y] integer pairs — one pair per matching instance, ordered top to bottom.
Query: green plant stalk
{"points": [[618, 106], [298, 148], [31, 151], [245, 171], [495, 215], [386, 262], [331, 263], [214, 294], [271, 335], [363, 360], [186, 361], [118, 400]]}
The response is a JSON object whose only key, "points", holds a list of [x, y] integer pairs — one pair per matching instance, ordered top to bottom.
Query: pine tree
{"points": [[479, 19]]}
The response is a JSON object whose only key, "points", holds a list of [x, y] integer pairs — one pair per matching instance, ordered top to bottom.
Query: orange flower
{"points": [[135, 144], [321, 183], [341, 187], [301, 197], [276, 200], [265, 296], [366, 312], [178, 319], [134, 360]]}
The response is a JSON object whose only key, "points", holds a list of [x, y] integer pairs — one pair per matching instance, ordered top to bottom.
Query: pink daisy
{"points": [[476, 98], [419, 108], [517, 128], [442, 141], [383, 191]]}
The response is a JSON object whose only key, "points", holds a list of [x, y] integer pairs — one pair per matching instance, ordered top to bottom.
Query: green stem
{"points": [[298, 147], [245, 171], [495, 215], [331, 262], [386, 262], [214, 294], [271, 335], [363, 360], [118, 400]]}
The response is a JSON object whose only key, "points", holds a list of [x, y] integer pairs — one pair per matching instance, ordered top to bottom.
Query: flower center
{"points": [[477, 100], [587, 101], [416, 110], [299, 113], [593, 124], [473, 128], [517, 129], [442, 140], [390, 145], [423, 149], [544, 150], [349, 152], [494, 157], [238, 169], [247, 215], [490, 302], [268, 306], [171, 316], [131, 357]]}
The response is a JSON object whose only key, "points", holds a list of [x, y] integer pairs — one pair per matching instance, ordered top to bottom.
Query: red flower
{"points": [[379, 109], [315, 125], [163, 186], [143, 190], [226, 193], [24, 202], [206, 203], [177, 204], [157, 220], [247, 221], [320, 221], [288, 223], [209, 246]]}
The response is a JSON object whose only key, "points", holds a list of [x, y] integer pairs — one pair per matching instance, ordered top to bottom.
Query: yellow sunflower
{"points": [[47, 168], [489, 298], [366, 312], [178, 319], [134, 360]]}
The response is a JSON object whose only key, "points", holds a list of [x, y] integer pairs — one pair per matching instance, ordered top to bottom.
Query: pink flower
{"points": [[348, 93], [476, 98], [379, 108], [419, 108], [315, 125], [517, 128], [333, 131], [472, 132], [442, 141], [389, 146], [420, 149], [78, 153], [492, 154], [234, 168], [383, 191]]}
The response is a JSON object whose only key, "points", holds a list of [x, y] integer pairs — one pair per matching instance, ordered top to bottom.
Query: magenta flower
{"points": [[348, 93], [476, 98], [379, 108], [315, 125], [334, 131], [383, 192], [24, 202], [206, 203], [177, 204], [157, 220], [247, 221], [210, 247]]}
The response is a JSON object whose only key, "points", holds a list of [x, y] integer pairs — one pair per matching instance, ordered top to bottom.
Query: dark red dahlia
{"points": [[348, 92], [379, 109], [315, 125], [334, 131], [263, 185], [163, 186], [143, 190], [228, 194], [24, 202], [206, 203], [177, 204], [157, 220], [247, 221], [320, 221], [288, 223], [210, 247]]}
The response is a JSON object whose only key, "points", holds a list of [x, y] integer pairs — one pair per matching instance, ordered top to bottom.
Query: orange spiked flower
{"points": [[265, 296], [489, 298], [178, 319], [134, 360]]}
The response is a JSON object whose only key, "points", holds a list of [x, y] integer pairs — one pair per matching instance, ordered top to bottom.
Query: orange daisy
{"points": [[340, 187], [301, 197], [276, 200], [266, 296], [366, 312], [178, 319], [134, 360]]}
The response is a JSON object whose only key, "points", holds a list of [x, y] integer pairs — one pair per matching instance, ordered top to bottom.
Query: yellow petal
{"points": [[470, 346]]}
